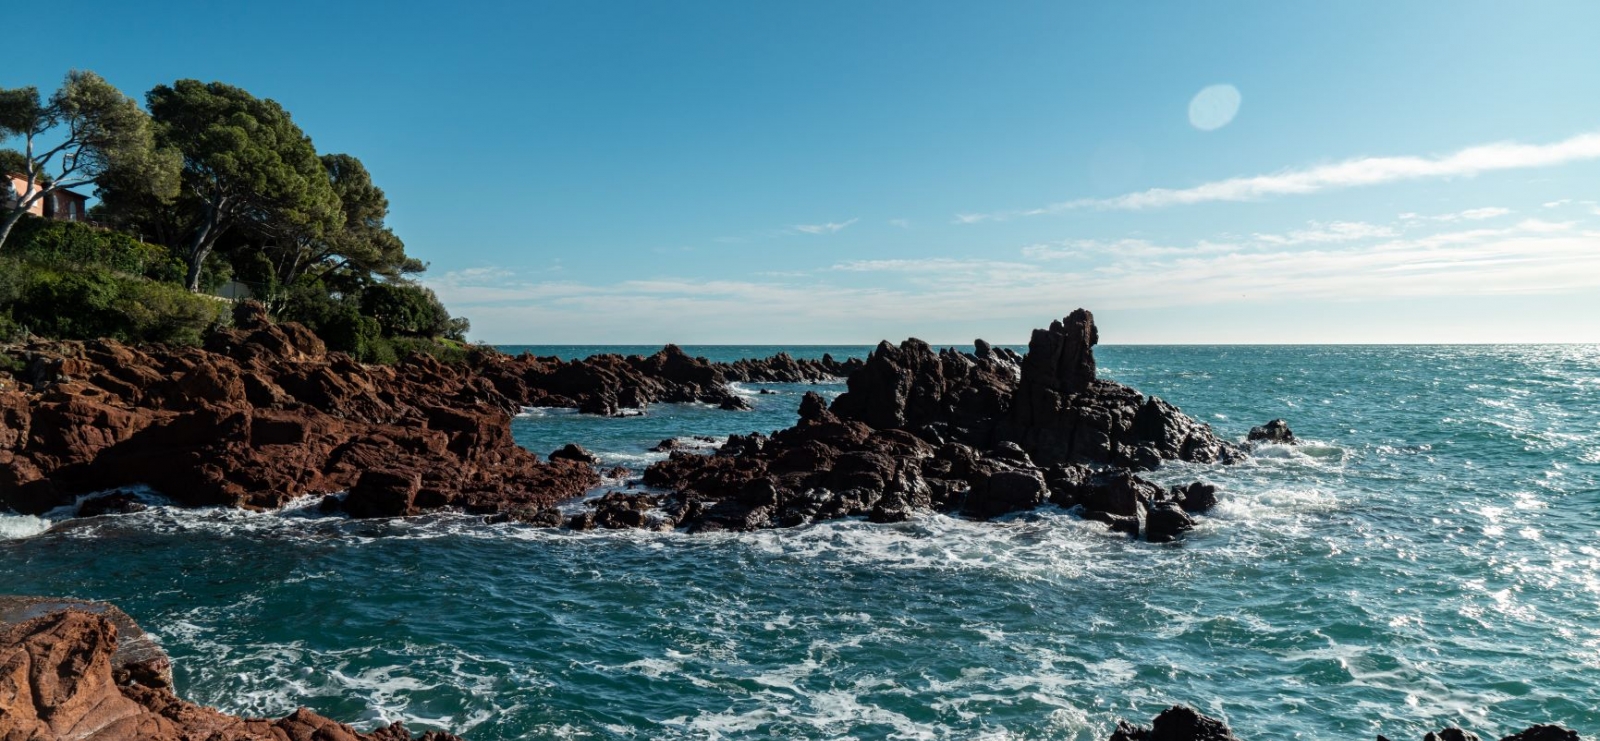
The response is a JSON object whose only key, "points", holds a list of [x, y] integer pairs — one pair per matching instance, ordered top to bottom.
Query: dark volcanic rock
{"points": [[614, 385], [1061, 413], [1276, 431], [907, 435], [575, 452], [1195, 498], [114, 503], [1165, 522], [68, 674], [1177, 723], [1182, 723], [1544, 733]]}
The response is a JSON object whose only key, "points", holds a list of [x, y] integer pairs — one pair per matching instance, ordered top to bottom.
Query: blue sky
{"points": [[842, 172]]}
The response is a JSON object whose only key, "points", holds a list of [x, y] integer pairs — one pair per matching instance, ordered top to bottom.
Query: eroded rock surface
{"points": [[264, 415], [979, 435], [63, 677]]}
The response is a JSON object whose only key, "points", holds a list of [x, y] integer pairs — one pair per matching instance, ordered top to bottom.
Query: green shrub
{"points": [[72, 244], [93, 302], [405, 310], [164, 312], [10, 331], [446, 351]]}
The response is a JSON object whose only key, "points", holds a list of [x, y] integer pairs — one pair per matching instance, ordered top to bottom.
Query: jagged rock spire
{"points": [[1061, 358]]}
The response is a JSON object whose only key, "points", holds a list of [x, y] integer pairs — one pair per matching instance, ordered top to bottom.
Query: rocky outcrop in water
{"points": [[784, 368], [612, 385], [1049, 402], [261, 416], [1276, 431], [980, 435], [67, 674], [1177, 723], [1183, 723]]}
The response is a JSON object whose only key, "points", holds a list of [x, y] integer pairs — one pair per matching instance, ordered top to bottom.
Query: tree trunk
{"points": [[25, 201], [11, 221], [205, 237]]}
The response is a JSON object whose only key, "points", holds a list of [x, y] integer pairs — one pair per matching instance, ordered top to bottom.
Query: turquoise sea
{"points": [[1429, 557]]}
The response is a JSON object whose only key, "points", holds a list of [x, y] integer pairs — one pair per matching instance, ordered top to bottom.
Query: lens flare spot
{"points": [[1214, 107]]}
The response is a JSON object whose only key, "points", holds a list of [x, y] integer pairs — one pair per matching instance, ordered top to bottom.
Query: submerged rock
{"points": [[1276, 431], [575, 452], [113, 503], [1183, 723]]}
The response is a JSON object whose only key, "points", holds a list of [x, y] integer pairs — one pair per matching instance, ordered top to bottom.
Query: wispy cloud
{"points": [[1350, 173], [1474, 214], [902, 223], [831, 227], [1330, 232], [1116, 248]]}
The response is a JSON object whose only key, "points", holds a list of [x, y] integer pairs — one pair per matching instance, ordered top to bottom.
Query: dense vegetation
{"points": [[210, 186]]}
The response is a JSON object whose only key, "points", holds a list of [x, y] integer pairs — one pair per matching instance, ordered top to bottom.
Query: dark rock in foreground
{"points": [[82, 671], [1182, 723]]}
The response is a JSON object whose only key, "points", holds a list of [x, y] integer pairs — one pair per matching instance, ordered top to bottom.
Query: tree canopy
{"points": [[95, 129], [244, 160], [227, 185], [363, 244]]}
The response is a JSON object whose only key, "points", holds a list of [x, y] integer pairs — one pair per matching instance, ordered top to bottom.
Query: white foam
{"points": [[547, 412], [14, 526]]}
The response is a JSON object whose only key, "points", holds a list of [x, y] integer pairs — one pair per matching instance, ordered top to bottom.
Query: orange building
{"points": [[62, 204]]}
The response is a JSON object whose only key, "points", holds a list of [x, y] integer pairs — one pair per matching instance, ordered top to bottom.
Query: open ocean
{"points": [[1429, 557]]}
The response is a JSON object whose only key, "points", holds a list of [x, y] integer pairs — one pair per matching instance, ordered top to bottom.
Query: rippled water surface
{"points": [[1429, 557]]}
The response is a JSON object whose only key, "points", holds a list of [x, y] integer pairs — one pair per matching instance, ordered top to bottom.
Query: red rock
{"points": [[261, 417], [384, 494], [61, 680]]}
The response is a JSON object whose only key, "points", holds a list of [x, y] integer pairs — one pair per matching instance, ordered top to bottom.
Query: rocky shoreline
{"points": [[264, 415]]}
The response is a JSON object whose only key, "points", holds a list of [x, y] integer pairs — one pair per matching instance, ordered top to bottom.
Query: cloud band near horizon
{"points": [[1361, 171]]}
